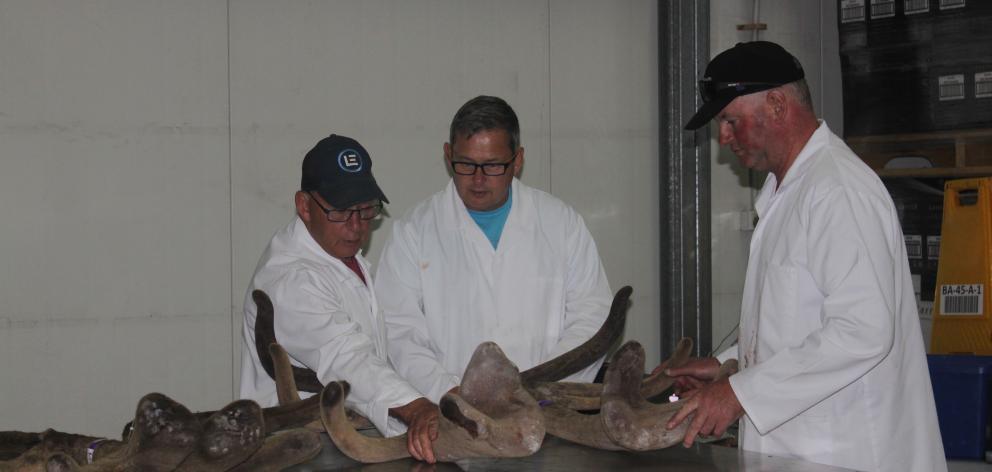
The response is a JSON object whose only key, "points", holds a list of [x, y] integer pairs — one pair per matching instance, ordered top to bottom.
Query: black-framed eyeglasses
{"points": [[709, 90], [491, 169], [340, 216]]}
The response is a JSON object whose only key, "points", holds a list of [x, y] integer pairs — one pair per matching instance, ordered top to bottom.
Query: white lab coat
{"points": [[444, 290], [328, 321], [834, 366]]}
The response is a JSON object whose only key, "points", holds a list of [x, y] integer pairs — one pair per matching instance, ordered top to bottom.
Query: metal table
{"points": [[560, 455]]}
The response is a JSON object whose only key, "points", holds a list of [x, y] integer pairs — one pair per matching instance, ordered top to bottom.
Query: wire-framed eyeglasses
{"points": [[491, 169], [340, 216]]}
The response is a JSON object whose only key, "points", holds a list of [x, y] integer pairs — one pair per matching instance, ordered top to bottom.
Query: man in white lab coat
{"points": [[487, 259], [326, 314], [833, 363]]}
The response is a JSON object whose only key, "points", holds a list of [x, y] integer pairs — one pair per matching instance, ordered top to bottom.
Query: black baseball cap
{"points": [[741, 70], [340, 170]]}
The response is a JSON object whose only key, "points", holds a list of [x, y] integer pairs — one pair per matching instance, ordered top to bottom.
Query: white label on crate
{"points": [[949, 4], [914, 7], [883, 9], [852, 10], [983, 84], [950, 87], [914, 246], [933, 248], [962, 299]]}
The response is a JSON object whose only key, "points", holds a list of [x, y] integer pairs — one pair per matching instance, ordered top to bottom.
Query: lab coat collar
{"points": [[817, 140], [470, 229], [312, 250]]}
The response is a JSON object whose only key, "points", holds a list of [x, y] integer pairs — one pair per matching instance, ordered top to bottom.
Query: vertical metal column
{"points": [[684, 176]]}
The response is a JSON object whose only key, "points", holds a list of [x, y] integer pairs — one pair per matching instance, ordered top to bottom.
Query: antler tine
{"points": [[265, 335], [586, 353], [282, 368], [587, 396], [353, 444]]}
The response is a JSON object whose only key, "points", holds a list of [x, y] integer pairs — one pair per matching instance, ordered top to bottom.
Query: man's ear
{"points": [[776, 102], [447, 153], [518, 163], [303, 206]]}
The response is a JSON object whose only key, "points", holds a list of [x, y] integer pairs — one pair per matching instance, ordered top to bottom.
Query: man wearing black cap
{"points": [[327, 317], [833, 364]]}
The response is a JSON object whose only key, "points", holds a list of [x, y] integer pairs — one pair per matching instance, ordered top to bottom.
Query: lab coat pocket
{"points": [[778, 308], [814, 436]]}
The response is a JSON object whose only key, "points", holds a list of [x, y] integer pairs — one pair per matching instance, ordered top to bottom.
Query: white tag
{"points": [[949, 4], [913, 7], [883, 9], [852, 10], [983, 84], [950, 87], [914, 246], [933, 248], [962, 299]]}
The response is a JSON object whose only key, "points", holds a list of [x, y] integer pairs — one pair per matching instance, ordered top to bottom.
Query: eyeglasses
{"points": [[710, 90], [492, 169], [340, 216]]}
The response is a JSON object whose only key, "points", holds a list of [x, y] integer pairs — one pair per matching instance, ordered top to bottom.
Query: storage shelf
{"points": [[956, 153]]}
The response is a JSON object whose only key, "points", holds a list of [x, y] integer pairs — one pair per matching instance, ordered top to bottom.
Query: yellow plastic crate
{"points": [[961, 320]]}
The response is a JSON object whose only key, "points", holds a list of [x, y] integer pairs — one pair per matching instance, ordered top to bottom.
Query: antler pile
{"points": [[497, 412], [167, 437]]}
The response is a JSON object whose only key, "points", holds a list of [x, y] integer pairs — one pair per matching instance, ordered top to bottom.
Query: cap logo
{"points": [[350, 160]]}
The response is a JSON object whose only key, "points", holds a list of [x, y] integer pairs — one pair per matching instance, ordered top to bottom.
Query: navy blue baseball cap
{"points": [[741, 70], [340, 170]]}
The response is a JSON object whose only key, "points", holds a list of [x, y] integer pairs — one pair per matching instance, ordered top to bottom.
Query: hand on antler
{"points": [[692, 375], [714, 407], [422, 419]]}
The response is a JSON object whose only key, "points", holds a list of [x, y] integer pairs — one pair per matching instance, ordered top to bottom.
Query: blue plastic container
{"points": [[962, 386]]}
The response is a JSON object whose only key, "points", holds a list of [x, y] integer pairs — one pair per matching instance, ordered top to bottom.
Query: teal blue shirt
{"points": [[491, 222]]}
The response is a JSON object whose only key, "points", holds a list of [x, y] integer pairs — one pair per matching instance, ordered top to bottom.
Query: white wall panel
{"points": [[604, 142], [115, 191]]}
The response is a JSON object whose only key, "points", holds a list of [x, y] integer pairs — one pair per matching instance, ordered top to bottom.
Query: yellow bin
{"points": [[961, 320]]}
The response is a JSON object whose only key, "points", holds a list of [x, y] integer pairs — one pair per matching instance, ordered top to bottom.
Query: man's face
{"points": [[743, 129], [481, 192], [339, 239]]}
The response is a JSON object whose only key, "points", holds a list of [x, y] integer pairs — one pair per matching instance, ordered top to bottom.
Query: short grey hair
{"points": [[800, 91], [485, 113]]}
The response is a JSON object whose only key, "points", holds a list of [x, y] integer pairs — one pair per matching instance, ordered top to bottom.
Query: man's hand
{"points": [[695, 373], [715, 407], [422, 421]]}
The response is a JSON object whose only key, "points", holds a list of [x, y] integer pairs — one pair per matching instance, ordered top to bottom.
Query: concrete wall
{"points": [[807, 29], [150, 148]]}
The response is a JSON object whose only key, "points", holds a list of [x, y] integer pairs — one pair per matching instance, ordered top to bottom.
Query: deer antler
{"points": [[586, 396], [493, 416], [626, 420], [631, 421]]}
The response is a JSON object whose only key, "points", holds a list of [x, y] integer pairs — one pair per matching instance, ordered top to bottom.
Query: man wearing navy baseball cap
{"points": [[326, 314], [833, 367]]}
